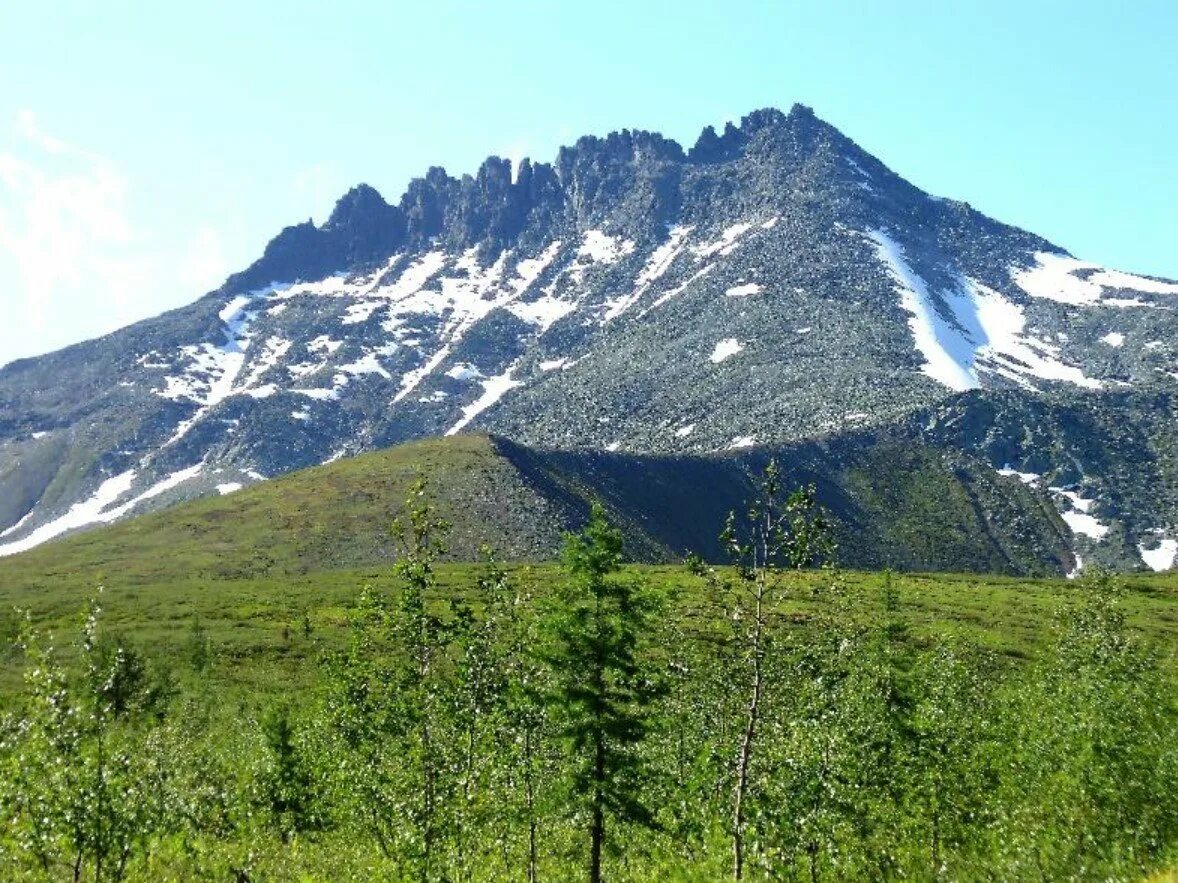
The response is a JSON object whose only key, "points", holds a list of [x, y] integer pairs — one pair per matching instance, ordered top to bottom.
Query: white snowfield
{"points": [[727, 243], [601, 248], [657, 264], [1056, 277], [971, 329], [465, 371], [494, 388], [100, 507], [79, 515], [1076, 515], [1163, 555]]}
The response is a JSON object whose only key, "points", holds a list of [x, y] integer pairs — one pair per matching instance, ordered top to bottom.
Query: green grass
{"points": [[324, 518], [251, 565], [254, 624]]}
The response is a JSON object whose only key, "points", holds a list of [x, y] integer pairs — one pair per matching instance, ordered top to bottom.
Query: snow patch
{"points": [[858, 169], [726, 244], [601, 248], [661, 258], [657, 264], [529, 270], [1054, 278], [678, 289], [744, 290], [462, 304], [359, 312], [543, 312], [977, 329], [1113, 338], [324, 344], [725, 349], [1006, 350], [945, 351], [366, 364], [554, 364], [465, 371], [212, 376], [494, 388], [684, 431], [742, 441], [1028, 478], [165, 484], [229, 487], [80, 514], [1078, 517], [11, 530], [1161, 557]]}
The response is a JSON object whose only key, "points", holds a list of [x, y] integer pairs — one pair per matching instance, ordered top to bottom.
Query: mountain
{"points": [[772, 284], [906, 505]]}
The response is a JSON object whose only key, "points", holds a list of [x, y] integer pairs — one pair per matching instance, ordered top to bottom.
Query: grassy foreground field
{"points": [[256, 626], [431, 720]]}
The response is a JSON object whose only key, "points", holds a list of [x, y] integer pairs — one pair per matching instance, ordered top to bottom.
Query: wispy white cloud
{"points": [[28, 128], [72, 262]]}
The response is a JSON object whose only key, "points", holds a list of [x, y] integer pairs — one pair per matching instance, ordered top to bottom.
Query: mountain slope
{"points": [[773, 283], [901, 505]]}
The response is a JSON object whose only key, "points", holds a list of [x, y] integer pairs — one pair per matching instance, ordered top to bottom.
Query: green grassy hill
{"points": [[901, 506], [252, 564]]}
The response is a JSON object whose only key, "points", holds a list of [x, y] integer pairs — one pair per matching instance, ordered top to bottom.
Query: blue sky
{"points": [[149, 149]]}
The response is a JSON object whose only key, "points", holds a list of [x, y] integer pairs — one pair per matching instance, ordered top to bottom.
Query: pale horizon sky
{"points": [[146, 152]]}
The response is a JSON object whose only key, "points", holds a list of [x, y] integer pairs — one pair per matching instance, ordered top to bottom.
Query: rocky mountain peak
{"points": [[357, 207], [774, 283]]}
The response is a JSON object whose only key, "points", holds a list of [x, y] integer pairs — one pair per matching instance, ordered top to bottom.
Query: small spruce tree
{"points": [[605, 685]]}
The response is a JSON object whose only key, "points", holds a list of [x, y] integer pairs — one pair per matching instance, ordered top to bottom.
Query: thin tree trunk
{"points": [[744, 758], [427, 760], [101, 783], [531, 800], [597, 828], [427, 832], [597, 832], [936, 844]]}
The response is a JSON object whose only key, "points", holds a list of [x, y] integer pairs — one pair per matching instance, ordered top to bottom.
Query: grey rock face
{"points": [[774, 283]]}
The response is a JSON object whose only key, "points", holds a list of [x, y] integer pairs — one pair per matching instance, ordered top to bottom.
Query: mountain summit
{"points": [[772, 283]]}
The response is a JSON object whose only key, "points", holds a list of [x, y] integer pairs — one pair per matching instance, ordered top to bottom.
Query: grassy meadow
{"points": [[772, 719]]}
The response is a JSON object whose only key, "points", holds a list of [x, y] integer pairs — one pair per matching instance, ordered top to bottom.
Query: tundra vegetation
{"points": [[742, 722]]}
